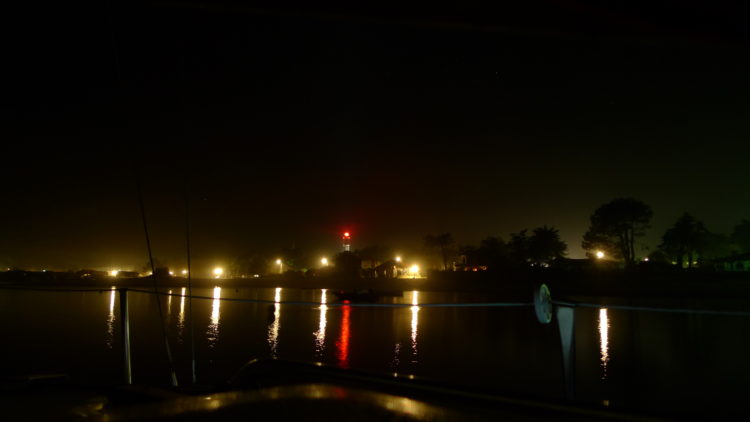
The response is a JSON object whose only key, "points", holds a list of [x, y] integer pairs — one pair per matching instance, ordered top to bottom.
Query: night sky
{"points": [[286, 124]]}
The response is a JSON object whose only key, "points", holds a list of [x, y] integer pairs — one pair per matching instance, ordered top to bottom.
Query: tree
{"points": [[614, 227], [741, 235], [687, 239], [441, 243], [545, 245], [717, 246], [518, 247], [376, 252], [492, 252], [294, 258], [253, 263], [348, 264], [158, 265]]}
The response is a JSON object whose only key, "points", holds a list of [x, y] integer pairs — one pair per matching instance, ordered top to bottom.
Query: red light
{"points": [[346, 234]]}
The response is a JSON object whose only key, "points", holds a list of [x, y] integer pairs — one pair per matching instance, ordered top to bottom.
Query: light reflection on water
{"points": [[181, 315], [111, 319], [414, 324], [275, 326], [213, 327], [395, 333], [320, 335], [604, 340], [342, 345]]}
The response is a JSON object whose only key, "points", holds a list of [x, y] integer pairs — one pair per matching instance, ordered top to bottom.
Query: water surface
{"points": [[623, 359]]}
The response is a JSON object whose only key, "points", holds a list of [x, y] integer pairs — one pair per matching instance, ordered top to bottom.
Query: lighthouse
{"points": [[347, 241]]}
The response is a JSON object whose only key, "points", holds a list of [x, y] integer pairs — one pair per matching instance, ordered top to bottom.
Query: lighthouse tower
{"points": [[347, 241]]}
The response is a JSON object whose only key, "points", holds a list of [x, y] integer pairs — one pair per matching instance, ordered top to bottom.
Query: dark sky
{"points": [[286, 124]]}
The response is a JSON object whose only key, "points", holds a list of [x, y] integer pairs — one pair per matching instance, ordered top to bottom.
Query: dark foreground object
{"points": [[279, 390]]}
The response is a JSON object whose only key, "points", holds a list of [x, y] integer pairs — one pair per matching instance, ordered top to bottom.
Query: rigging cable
{"points": [[190, 285], [156, 288]]}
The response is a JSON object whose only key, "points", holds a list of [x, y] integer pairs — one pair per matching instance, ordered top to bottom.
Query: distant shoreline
{"points": [[516, 285]]}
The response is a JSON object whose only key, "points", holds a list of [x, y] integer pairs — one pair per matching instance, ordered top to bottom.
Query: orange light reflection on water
{"points": [[181, 315], [111, 318], [414, 323], [275, 326], [213, 327], [320, 335], [342, 345]]}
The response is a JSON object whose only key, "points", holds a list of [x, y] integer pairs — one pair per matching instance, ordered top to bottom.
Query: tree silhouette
{"points": [[614, 227], [741, 235], [688, 238], [441, 243], [545, 245], [717, 245], [518, 247], [376, 252], [492, 252], [294, 258], [252, 263], [159, 264], [348, 264]]}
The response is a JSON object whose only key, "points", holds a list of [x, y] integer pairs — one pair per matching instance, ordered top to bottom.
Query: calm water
{"points": [[625, 359]]}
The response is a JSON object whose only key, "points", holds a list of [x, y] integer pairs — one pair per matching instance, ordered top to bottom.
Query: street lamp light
{"points": [[599, 254], [398, 259], [324, 261], [281, 266], [414, 270], [218, 271]]}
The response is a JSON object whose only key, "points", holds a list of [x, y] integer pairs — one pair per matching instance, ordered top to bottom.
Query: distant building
{"points": [[733, 263], [389, 269]]}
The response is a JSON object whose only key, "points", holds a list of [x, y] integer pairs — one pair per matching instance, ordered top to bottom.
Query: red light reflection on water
{"points": [[342, 345]]}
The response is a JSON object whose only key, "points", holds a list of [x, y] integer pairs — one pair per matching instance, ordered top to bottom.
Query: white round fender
{"points": [[543, 304]]}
